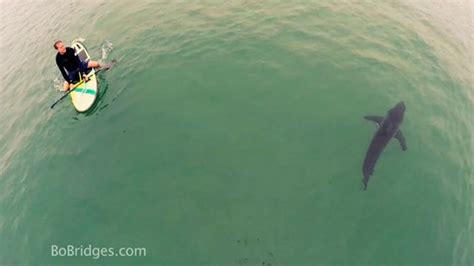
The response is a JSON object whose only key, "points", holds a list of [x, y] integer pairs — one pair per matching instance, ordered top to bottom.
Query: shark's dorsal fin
{"points": [[375, 118], [401, 139]]}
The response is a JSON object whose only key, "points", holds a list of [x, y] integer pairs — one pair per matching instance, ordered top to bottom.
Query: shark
{"points": [[388, 128]]}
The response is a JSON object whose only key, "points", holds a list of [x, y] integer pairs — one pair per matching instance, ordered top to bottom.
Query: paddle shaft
{"points": [[73, 88]]}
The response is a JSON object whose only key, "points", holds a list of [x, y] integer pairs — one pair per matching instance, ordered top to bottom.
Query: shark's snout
{"points": [[401, 105]]}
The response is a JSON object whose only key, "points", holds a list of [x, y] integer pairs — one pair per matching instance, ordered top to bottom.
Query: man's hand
{"points": [[71, 86]]}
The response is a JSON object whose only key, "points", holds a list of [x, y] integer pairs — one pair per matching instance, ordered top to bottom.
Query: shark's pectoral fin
{"points": [[375, 118], [401, 139]]}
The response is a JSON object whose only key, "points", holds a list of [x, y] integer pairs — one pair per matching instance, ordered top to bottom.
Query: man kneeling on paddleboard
{"points": [[70, 65]]}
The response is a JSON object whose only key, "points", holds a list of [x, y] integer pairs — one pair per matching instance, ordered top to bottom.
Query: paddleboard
{"points": [[84, 96]]}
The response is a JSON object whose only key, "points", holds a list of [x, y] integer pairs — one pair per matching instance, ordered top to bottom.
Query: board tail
{"points": [[80, 39]]}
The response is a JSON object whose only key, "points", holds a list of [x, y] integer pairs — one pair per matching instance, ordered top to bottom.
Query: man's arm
{"points": [[72, 54], [63, 72]]}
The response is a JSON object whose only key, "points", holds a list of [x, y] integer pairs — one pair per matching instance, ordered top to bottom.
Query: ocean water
{"points": [[232, 133]]}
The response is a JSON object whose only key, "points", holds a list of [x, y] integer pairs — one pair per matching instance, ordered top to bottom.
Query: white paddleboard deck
{"points": [[84, 96]]}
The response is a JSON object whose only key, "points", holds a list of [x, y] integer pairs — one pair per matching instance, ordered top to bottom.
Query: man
{"points": [[70, 65]]}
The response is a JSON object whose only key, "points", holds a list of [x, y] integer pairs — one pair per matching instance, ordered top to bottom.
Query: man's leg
{"points": [[90, 64], [93, 64], [84, 68], [74, 76], [66, 85]]}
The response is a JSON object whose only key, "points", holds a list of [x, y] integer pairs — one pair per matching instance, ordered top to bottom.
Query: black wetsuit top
{"points": [[68, 61]]}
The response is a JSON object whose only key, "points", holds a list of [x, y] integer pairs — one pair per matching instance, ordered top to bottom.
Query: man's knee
{"points": [[92, 64]]}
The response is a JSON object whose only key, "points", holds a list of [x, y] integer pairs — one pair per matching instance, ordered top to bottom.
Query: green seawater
{"points": [[232, 133]]}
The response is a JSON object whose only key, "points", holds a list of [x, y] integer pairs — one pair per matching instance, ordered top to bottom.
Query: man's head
{"points": [[59, 45]]}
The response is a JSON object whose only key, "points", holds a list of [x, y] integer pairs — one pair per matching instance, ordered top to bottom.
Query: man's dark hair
{"points": [[56, 43]]}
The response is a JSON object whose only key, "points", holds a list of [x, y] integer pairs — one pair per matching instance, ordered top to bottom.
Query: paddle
{"points": [[105, 67]]}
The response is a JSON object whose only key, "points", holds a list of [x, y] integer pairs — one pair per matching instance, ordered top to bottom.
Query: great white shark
{"points": [[389, 127]]}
